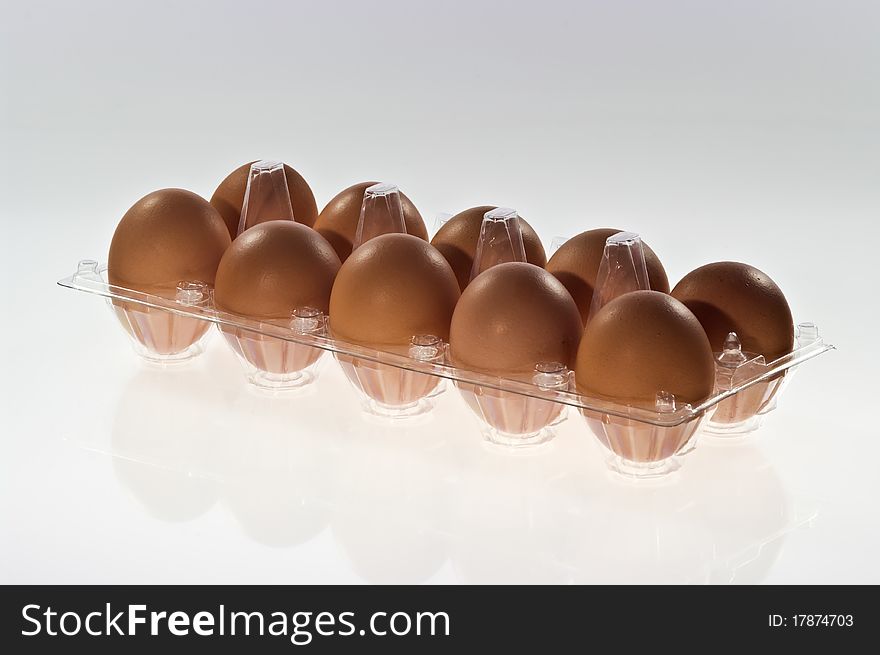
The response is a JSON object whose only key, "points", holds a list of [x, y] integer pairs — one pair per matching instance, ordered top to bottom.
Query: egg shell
{"points": [[228, 199], [338, 221], [166, 237], [457, 240], [576, 265], [274, 268], [393, 287], [733, 297], [510, 318], [642, 343]]}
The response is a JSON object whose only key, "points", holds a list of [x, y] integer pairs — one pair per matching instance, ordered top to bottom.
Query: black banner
{"points": [[428, 620]]}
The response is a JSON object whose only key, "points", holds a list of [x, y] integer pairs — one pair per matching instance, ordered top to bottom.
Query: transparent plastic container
{"points": [[267, 197], [381, 213], [500, 240], [622, 269], [159, 336], [274, 364], [400, 382], [394, 392], [743, 412], [513, 419], [642, 449]]}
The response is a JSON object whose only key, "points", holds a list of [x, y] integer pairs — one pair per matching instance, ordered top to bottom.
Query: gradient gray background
{"points": [[719, 130]]}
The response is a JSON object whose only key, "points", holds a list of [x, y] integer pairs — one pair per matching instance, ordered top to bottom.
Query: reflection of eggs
{"points": [[228, 199], [339, 219], [168, 236], [458, 238], [576, 265], [274, 268], [393, 287], [732, 297], [512, 317], [642, 343], [165, 457], [274, 479], [390, 500], [516, 502]]}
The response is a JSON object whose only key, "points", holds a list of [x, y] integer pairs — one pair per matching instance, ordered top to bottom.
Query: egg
{"points": [[228, 198], [338, 220], [167, 237], [457, 240], [576, 265], [274, 268], [277, 271], [393, 287], [394, 293], [733, 297], [510, 318], [515, 320], [643, 343]]}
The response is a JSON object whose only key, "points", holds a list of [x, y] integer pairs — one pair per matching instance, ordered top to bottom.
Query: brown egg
{"points": [[229, 197], [338, 221], [168, 236], [458, 237], [576, 265], [274, 268], [394, 287], [732, 297], [512, 317], [642, 343]]}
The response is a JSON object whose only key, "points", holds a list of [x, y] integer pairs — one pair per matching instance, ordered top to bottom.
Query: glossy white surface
{"points": [[743, 132]]}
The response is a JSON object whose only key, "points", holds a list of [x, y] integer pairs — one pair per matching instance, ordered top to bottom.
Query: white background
{"points": [[719, 130]]}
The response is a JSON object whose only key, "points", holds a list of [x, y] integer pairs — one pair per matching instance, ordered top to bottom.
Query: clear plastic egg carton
{"points": [[284, 355]]}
